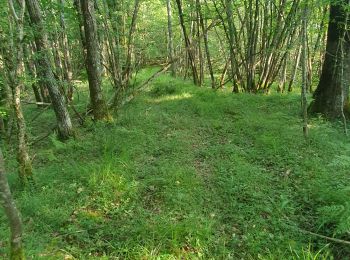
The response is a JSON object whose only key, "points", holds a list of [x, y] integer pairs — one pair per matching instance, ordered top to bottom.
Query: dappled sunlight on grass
{"points": [[170, 98], [188, 173]]}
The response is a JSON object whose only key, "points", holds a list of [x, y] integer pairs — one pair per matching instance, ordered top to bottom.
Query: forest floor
{"points": [[187, 173]]}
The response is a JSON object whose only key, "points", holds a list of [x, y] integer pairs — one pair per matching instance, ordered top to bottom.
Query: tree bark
{"points": [[77, 5], [111, 27], [231, 36], [170, 38], [188, 44], [206, 44], [93, 61], [67, 65], [30, 68], [295, 69], [304, 70], [15, 72], [127, 72], [44, 92], [331, 97], [65, 129], [12, 213]]}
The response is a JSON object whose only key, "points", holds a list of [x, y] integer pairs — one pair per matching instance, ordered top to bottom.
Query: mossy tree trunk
{"points": [[93, 61], [15, 72], [332, 93], [65, 129], [12, 213]]}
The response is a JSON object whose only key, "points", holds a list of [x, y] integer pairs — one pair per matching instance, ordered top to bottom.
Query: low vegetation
{"points": [[187, 173]]}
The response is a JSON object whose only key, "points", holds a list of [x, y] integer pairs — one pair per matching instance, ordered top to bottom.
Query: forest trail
{"points": [[174, 129], [187, 172]]}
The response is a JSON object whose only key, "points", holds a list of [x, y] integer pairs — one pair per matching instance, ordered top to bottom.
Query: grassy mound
{"points": [[188, 173]]}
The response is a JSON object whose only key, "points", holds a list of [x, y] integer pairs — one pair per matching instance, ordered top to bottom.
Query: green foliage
{"points": [[160, 89], [3, 112], [188, 173], [310, 254]]}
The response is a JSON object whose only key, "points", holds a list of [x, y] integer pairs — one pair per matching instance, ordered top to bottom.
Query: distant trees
{"points": [[230, 36], [206, 42], [249, 45], [252, 45], [189, 48], [66, 62], [331, 97]]}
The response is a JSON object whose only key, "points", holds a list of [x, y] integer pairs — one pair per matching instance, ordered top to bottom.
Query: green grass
{"points": [[188, 173]]}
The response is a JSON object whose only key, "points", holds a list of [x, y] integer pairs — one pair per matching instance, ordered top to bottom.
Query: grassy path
{"points": [[186, 173]]}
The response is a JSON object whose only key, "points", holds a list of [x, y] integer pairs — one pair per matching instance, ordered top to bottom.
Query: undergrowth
{"points": [[187, 173]]}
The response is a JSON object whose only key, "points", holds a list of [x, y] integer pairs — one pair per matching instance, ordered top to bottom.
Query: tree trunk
{"points": [[77, 5], [111, 28], [231, 35], [170, 38], [188, 44], [206, 44], [199, 52], [93, 61], [67, 66], [30, 68], [295, 69], [304, 70], [15, 72], [127, 72], [282, 83], [44, 92], [331, 97], [65, 129], [12, 213]]}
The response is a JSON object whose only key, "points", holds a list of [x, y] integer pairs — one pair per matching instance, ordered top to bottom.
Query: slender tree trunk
{"points": [[77, 5], [111, 26], [231, 36], [170, 38], [188, 44], [206, 44], [199, 47], [55, 50], [93, 62], [67, 66], [30, 68], [295, 70], [304, 70], [128, 71], [223, 74], [282, 83], [5, 91], [44, 92], [5, 94], [331, 97], [2, 129], [65, 129], [24, 162], [12, 213]]}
